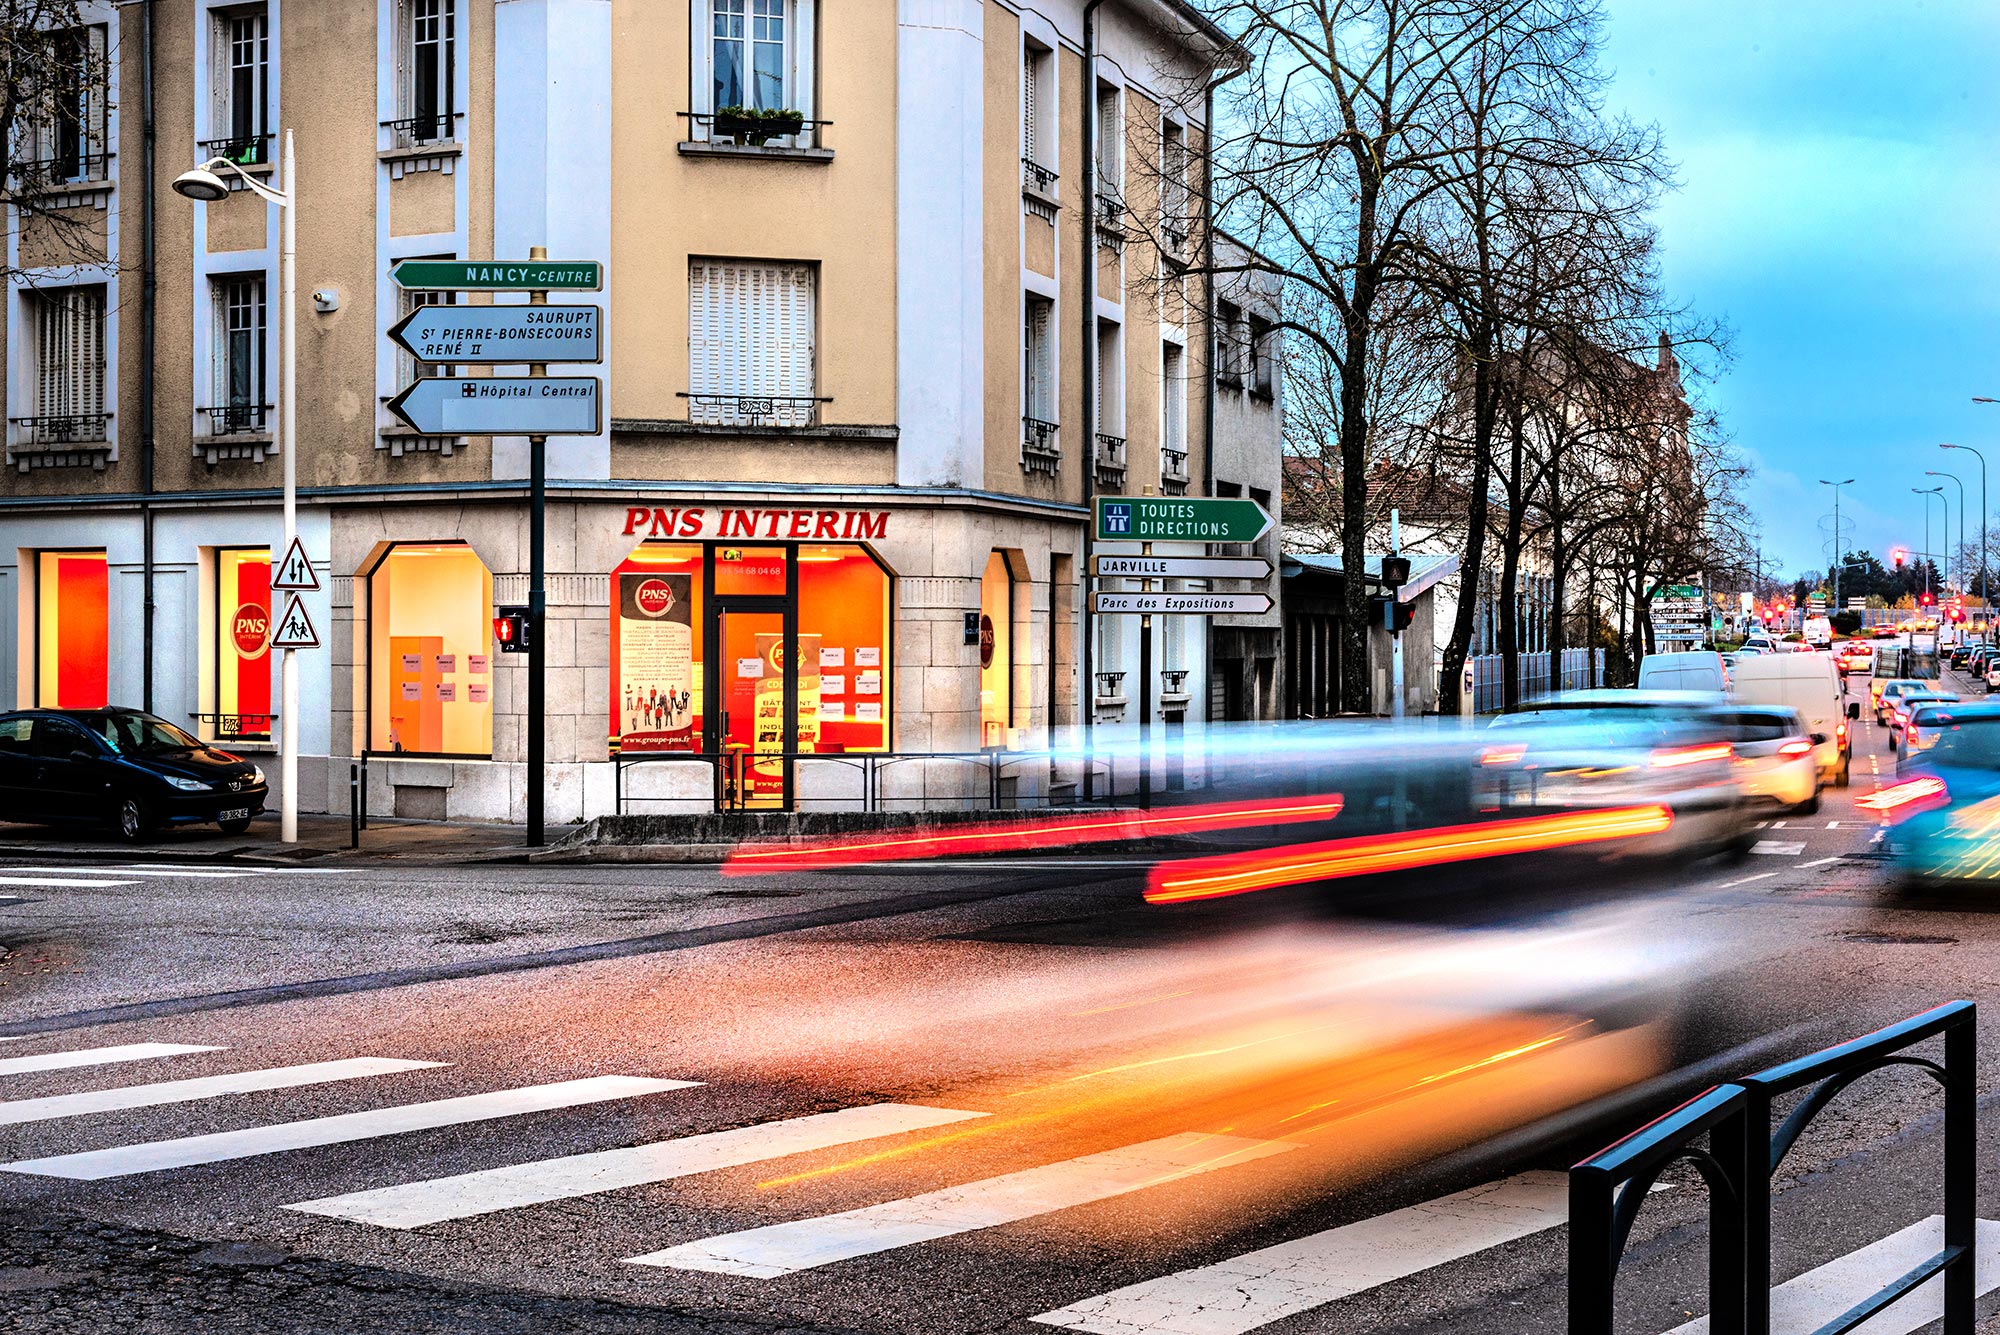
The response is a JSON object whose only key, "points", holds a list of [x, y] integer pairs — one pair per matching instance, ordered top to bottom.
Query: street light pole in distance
{"points": [[204, 185], [1960, 483], [1939, 493], [1985, 519], [1838, 555]]}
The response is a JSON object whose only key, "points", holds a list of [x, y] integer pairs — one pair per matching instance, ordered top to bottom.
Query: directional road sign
{"points": [[499, 275], [501, 333], [502, 406], [1179, 519], [1182, 567], [295, 571], [1184, 604], [295, 629]]}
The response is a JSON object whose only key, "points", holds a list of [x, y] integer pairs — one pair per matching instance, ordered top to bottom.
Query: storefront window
{"points": [[749, 572], [657, 624], [844, 639], [72, 641], [996, 652], [242, 658], [430, 670]]}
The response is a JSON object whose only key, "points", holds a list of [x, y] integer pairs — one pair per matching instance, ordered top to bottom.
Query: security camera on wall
{"points": [[326, 299]]}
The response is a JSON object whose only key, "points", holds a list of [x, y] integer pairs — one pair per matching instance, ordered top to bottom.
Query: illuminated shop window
{"points": [[749, 572], [657, 626], [72, 631], [844, 636], [996, 652], [242, 656], [430, 669]]}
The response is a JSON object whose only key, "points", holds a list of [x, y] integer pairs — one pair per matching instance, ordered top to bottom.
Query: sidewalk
{"points": [[321, 838]]}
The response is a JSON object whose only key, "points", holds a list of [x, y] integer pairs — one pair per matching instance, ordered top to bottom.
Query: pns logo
{"points": [[654, 597], [250, 629]]}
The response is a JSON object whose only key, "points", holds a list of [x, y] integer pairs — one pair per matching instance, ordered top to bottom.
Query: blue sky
{"points": [[1840, 207]]}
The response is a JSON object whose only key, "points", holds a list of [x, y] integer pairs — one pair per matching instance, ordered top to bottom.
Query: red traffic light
{"points": [[1898, 556], [503, 629]]}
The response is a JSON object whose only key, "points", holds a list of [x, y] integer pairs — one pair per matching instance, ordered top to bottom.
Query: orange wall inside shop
{"points": [[845, 603], [75, 630], [247, 686]]}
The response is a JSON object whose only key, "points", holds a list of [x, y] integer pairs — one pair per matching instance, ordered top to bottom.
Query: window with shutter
{"points": [[428, 56], [1031, 74], [239, 77], [1110, 144], [238, 354], [751, 356], [1040, 363], [69, 365], [1173, 420]]}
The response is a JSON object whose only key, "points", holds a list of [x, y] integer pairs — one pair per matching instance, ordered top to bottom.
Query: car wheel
{"points": [[1840, 776], [1810, 807], [132, 820], [233, 826]]}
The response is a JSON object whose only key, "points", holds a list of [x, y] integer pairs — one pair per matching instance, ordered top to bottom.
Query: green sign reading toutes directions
{"points": [[499, 275], [1179, 519]]}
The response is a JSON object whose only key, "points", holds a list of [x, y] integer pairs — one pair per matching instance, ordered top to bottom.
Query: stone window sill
{"points": [[443, 148], [690, 148]]}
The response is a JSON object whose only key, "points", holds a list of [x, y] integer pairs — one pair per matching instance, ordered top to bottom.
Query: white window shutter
{"points": [[1030, 95], [1110, 142]]}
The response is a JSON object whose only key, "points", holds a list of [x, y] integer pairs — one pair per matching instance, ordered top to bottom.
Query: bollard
{"points": [[363, 804], [354, 806]]}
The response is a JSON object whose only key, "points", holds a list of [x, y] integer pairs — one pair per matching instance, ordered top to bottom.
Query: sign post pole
{"points": [[288, 418], [537, 596], [1146, 696]]}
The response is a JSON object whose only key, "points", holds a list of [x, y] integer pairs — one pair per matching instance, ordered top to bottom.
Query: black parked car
{"points": [[123, 768]]}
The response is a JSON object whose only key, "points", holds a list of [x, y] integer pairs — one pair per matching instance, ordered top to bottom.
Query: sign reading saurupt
{"points": [[501, 333], [659, 690]]}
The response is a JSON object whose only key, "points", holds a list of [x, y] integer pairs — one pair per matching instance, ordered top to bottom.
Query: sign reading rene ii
{"points": [[699, 522]]}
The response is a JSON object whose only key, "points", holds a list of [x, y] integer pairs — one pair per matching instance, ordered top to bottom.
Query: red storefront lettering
{"points": [[635, 517], [691, 523], [739, 524], [801, 524], [860, 524], [828, 525]]}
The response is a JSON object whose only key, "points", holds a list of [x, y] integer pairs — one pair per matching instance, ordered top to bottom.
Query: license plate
{"points": [[234, 813]]}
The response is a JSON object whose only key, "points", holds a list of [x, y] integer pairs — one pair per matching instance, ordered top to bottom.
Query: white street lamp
{"points": [[205, 185]]}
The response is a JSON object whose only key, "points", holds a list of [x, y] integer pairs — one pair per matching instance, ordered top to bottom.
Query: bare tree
{"points": [[54, 114]]}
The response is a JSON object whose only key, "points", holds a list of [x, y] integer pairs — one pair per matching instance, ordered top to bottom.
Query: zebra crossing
{"points": [[104, 876], [1232, 1296]]}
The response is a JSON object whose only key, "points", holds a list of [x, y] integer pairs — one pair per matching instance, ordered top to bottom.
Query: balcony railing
{"points": [[708, 127], [424, 131], [250, 150], [55, 173], [1038, 189], [1174, 240], [768, 410], [237, 418], [63, 429], [1040, 453], [1110, 460], [1173, 472], [1173, 681], [1110, 687]]}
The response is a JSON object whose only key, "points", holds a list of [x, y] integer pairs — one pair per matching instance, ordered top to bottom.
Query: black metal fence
{"points": [[963, 779], [1743, 1152]]}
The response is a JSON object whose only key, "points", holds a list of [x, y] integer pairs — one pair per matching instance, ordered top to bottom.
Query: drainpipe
{"points": [[148, 281], [1208, 331], [1088, 361]]}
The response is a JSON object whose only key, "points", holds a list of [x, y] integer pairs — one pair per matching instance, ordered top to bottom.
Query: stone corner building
{"points": [[870, 351]]}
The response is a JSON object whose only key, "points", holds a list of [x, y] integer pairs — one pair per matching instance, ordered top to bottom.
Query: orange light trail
{"points": [[1692, 755], [1917, 794], [1092, 828], [1332, 859], [1129, 1005], [1125, 1067]]}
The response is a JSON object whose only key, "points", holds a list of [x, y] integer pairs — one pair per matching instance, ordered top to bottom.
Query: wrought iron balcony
{"points": [[793, 130], [424, 131], [250, 150], [57, 172], [1042, 180], [1174, 240], [766, 410], [238, 419], [64, 429], [1040, 452], [1110, 460], [1174, 472], [1173, 681], [1110, 687]]}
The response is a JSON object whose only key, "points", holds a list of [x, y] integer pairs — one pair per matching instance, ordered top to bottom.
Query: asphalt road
{"points": [[992, 1097]]}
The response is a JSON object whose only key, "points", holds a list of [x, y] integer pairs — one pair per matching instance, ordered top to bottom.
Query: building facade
{"points": [[859, 389]]}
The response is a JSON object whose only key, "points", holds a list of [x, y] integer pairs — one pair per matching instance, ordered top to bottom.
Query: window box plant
{"points": [[755, 127]]}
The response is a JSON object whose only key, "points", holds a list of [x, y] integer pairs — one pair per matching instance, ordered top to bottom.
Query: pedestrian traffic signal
{"points": [[1390, 614], [511, 630]]}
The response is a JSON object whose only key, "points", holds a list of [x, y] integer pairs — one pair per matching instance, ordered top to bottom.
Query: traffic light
{"points": [[1897, 557], [1928, 600], [1389, 614], [510, 630]]}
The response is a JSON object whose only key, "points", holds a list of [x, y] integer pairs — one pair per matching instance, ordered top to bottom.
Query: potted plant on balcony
{"points": [[755, 127]]}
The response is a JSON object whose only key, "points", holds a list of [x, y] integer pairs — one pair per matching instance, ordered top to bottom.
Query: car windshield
{"points": [[1747, 726], [140, 734], [1968, 744]]}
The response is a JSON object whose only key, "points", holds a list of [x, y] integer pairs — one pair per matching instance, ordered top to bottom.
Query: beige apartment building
{"points": [[872, 345]]}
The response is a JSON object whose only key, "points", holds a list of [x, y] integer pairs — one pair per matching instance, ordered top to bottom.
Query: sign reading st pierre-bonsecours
{"points": [[487, 334]]}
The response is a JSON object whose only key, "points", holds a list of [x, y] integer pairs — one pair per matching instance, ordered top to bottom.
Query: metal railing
{"points": [[706, 127], [424, 131], [249, 150], [58, 172], [1039, 179], [754, 409], [236, 418], [64, 429], [1040, 453], [1579, 669], [240, 727], [730, 784], [1745, 1151]]}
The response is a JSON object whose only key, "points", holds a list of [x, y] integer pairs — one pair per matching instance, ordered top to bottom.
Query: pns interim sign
{"points": [[746, 522]]}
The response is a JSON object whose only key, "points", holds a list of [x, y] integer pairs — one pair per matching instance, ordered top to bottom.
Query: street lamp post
{"points": [[204, 185], [1960, 482], [1939, 493], [1985, 518], [1838, 554]]}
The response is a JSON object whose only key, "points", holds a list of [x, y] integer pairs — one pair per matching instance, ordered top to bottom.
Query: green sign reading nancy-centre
{"points": [[499, 275], [1179, 519]]}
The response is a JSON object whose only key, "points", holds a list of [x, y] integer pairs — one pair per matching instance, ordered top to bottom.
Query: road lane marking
{"points": [[1777, 825], [1780, 847], [1821, 862], [216, 875], [1760, 876], [62, 881], [124, 1052], [17, 1111], [153, 1156], [415, 1204], [784, 1249], [1260, 1287], [1818, 1296]]}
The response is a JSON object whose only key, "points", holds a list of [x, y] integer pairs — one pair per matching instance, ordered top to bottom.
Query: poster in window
{"points": [[868, 657], [243, 679], [659, 691], [766, 779]]}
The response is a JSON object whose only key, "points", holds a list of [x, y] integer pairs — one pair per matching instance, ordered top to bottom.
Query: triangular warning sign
{"points": [[295, 571], [294, 629]]}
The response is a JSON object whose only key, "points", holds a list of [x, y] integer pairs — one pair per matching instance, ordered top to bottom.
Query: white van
{"points": [[1819, 632], [1700, 670], [1809, 683]]}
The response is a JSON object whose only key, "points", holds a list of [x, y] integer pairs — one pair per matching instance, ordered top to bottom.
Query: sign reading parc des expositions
{"points": [[1179, 519]]}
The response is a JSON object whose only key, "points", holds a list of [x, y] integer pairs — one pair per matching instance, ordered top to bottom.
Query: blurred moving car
{"points": [[1854, 656], [1695, 670], [1810, 684], [1887, 692], [1903, 705], [1920, 731], [1776, 759], [120, 767], [1945, 803]]}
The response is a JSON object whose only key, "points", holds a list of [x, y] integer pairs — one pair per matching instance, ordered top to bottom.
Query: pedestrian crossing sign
{"points": [[295, 629]]}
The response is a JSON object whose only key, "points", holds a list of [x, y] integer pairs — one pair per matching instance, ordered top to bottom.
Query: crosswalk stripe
{"points": [[1784, 848], [161, 868], [217, 874], [58, 881], [124, 1052], [17, 1111], [153, 1156], [418, 1203], [782, 1249], [1257, 1288], [1816, 1297]]}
